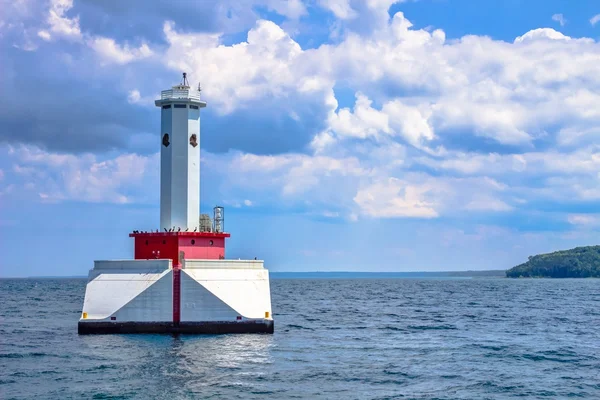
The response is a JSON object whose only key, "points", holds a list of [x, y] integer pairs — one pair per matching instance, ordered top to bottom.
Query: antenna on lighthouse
{"points": [[185, 81], [199, 87]]}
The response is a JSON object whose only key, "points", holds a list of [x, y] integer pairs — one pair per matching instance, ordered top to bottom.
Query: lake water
{"points": [[334, 338]]}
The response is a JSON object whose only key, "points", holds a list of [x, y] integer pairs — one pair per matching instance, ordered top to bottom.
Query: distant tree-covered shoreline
{"points": [[580, 262]]}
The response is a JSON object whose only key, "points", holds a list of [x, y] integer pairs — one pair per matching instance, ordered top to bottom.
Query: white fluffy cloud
{"points": [[340, 8], [292, 9], [350, 9], [59, 25], [541, 34], [111, 52], [238, 74], [509, 93], [134, 97], [409, 122], [362, 123], [414, 143], [57, 177], [290, 180], [353, 187], [422, 196], [397, 198]]}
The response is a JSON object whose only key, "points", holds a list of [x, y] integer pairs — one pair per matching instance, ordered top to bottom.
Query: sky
{"points": [[340, 135]]}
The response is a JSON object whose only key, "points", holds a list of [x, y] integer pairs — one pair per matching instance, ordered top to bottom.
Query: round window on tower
{"points": [[165, 140], [193, 140], [193, 241], [210, 242]]}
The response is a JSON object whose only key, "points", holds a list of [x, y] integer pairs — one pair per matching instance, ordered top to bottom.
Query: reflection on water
{"points": [[228, 361], [189, 363]]}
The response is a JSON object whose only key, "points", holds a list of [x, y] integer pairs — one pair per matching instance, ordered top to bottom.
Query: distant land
{"points": [[580, 262], [348, 275]]}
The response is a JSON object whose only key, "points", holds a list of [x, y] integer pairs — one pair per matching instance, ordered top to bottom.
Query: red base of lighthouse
{"points": [[194, 245]]}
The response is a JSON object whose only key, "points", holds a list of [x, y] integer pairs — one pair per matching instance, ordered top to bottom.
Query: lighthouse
{"points": [[180, 156], [179, 280]]}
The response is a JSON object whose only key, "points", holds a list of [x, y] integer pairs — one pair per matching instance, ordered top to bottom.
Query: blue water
{"points": [[334, 338]]}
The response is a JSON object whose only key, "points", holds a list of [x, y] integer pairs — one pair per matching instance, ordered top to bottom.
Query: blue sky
{"points": [[350, 135]]}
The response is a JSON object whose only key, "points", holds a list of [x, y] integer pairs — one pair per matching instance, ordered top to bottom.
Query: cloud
{"points": [[340, 8], [292, 9], [357, 16], [132, 19], [560, 19], [595, 19], [53, 20], [59, 25], [541, 34], [45, 35], [107, 49], [111, 52], [269, 56], [504, 95], [479, 96], [134, 97], [270, 105], [73, 111], [395, 118], [363, 122], [436, 127], [291, 174], [57, 177], [566, 179], [290, 182], [352, 187], [422, 196], [396, 198], [583, 219]]}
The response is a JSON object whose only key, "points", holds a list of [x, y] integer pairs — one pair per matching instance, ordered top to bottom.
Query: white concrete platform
{"points": [[223, 290], [204, 296]]}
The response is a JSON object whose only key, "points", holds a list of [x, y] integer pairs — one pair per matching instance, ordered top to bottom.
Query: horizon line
{"points": [[292, 272]]}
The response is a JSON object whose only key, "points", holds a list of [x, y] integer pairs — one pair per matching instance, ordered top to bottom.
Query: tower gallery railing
{"points": [[180, 94]]}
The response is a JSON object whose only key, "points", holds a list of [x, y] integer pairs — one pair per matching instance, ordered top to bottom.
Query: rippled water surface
{"points": [[334, 338]]}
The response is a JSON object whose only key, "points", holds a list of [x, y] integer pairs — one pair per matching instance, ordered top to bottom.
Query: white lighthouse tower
{"points": [[180, 157], [179, 280]]}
